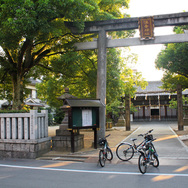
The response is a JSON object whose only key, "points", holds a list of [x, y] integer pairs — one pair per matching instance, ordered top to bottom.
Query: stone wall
{"points": [[63, 143]]}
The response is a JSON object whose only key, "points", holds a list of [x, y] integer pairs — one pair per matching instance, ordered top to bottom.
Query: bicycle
{"points": [[125, 151], [105, 153], [148, 155]]}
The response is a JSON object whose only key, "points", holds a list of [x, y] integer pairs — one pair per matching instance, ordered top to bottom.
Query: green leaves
{"points": [[36, 43], [174, 58], [174, 61]]}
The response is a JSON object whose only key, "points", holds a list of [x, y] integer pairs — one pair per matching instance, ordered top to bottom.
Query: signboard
{"points": [[146, 28], [83, 113], [84, 118]]}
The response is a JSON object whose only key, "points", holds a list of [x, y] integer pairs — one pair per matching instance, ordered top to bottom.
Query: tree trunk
{"points": [[17, 92], [180, 107], [127, 112]]}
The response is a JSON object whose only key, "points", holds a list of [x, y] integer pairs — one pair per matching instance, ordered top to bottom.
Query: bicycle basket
{"points": [[149, 137], [101, 141]]}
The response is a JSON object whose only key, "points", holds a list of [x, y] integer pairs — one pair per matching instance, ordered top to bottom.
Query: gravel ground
{"points": [[117, 134]]}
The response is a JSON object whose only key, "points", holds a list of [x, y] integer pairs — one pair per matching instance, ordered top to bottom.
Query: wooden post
{"points": [[159, 102], [180, 107], [127, 112], [144, 113], [95, 138], [72, 141]]}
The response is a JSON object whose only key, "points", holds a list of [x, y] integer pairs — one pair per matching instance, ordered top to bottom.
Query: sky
{"points": [[148, 53]]}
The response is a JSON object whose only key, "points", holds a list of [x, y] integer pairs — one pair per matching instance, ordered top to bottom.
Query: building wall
{"points": [[164, 113]]}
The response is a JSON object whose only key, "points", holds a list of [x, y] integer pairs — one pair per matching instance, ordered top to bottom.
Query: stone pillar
{"points": [[101, 80], [45, 122], [33, 125]]}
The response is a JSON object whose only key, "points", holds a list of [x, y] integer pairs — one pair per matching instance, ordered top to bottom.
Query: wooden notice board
{"points": [[85, 117]]}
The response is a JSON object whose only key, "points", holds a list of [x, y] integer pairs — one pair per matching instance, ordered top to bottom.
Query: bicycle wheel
{"points": [[125, 151], [109, 154], [102, 158], [155, 160], [142, 165]]}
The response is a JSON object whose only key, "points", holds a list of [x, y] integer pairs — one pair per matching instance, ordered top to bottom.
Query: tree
{"points": [[33, 33], [174, 60], [80, 77], [131, 79], [132, 82], [173, 103]]}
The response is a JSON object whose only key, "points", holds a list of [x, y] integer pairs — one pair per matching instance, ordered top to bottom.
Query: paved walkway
{"points": [[168, 144]]}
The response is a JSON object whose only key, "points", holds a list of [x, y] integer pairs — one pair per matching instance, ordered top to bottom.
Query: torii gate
{"points": [[101, 27]]}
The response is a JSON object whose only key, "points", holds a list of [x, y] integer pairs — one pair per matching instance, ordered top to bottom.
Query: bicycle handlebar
{"points": [[150, 131], [146, 133], [107, 136], [151, 140]]}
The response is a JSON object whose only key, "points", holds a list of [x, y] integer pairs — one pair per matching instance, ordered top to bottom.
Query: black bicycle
{"points": [[125, 151], [105, 153], [148, 155]]}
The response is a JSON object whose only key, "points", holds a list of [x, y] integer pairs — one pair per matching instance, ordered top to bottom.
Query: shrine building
{"points": [[152, 103]]}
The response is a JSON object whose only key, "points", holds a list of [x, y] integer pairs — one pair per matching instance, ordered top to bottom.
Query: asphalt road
{"points": [[172, 171], [39, 174]]}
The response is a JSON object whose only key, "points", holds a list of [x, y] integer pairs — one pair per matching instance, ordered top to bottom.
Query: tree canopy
{"points": [[33, 36], [174, 61]]}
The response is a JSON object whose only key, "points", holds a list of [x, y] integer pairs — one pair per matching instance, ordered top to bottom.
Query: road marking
{"points": [[166, 138], [182, 143], [58, 164], [92, 171], [4, 177]]}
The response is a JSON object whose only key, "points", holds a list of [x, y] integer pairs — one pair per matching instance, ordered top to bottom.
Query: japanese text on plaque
{"points": [[146, 28]]}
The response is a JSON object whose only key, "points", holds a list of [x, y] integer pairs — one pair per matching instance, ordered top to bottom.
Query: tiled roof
{"points": [[153, 88], [84, 102]]}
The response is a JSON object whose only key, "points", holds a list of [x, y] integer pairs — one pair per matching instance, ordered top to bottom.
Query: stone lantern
{"points": [[121, 120], [63, 129], [63, 139]]}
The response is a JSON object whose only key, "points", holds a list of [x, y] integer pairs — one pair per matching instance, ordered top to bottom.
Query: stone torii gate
{"points": [[101, 27]]}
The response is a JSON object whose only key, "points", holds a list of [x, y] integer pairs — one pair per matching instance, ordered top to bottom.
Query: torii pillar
{"points": [[101, 81]]}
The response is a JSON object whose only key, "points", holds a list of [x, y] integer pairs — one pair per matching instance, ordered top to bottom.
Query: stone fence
{"points": [[24, 135]]}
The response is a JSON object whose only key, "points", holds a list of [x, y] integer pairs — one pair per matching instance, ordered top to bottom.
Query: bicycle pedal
{"points": [[151, 163]]}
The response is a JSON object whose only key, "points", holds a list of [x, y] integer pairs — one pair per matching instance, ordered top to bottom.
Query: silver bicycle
{"points": [[125, 150]]}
